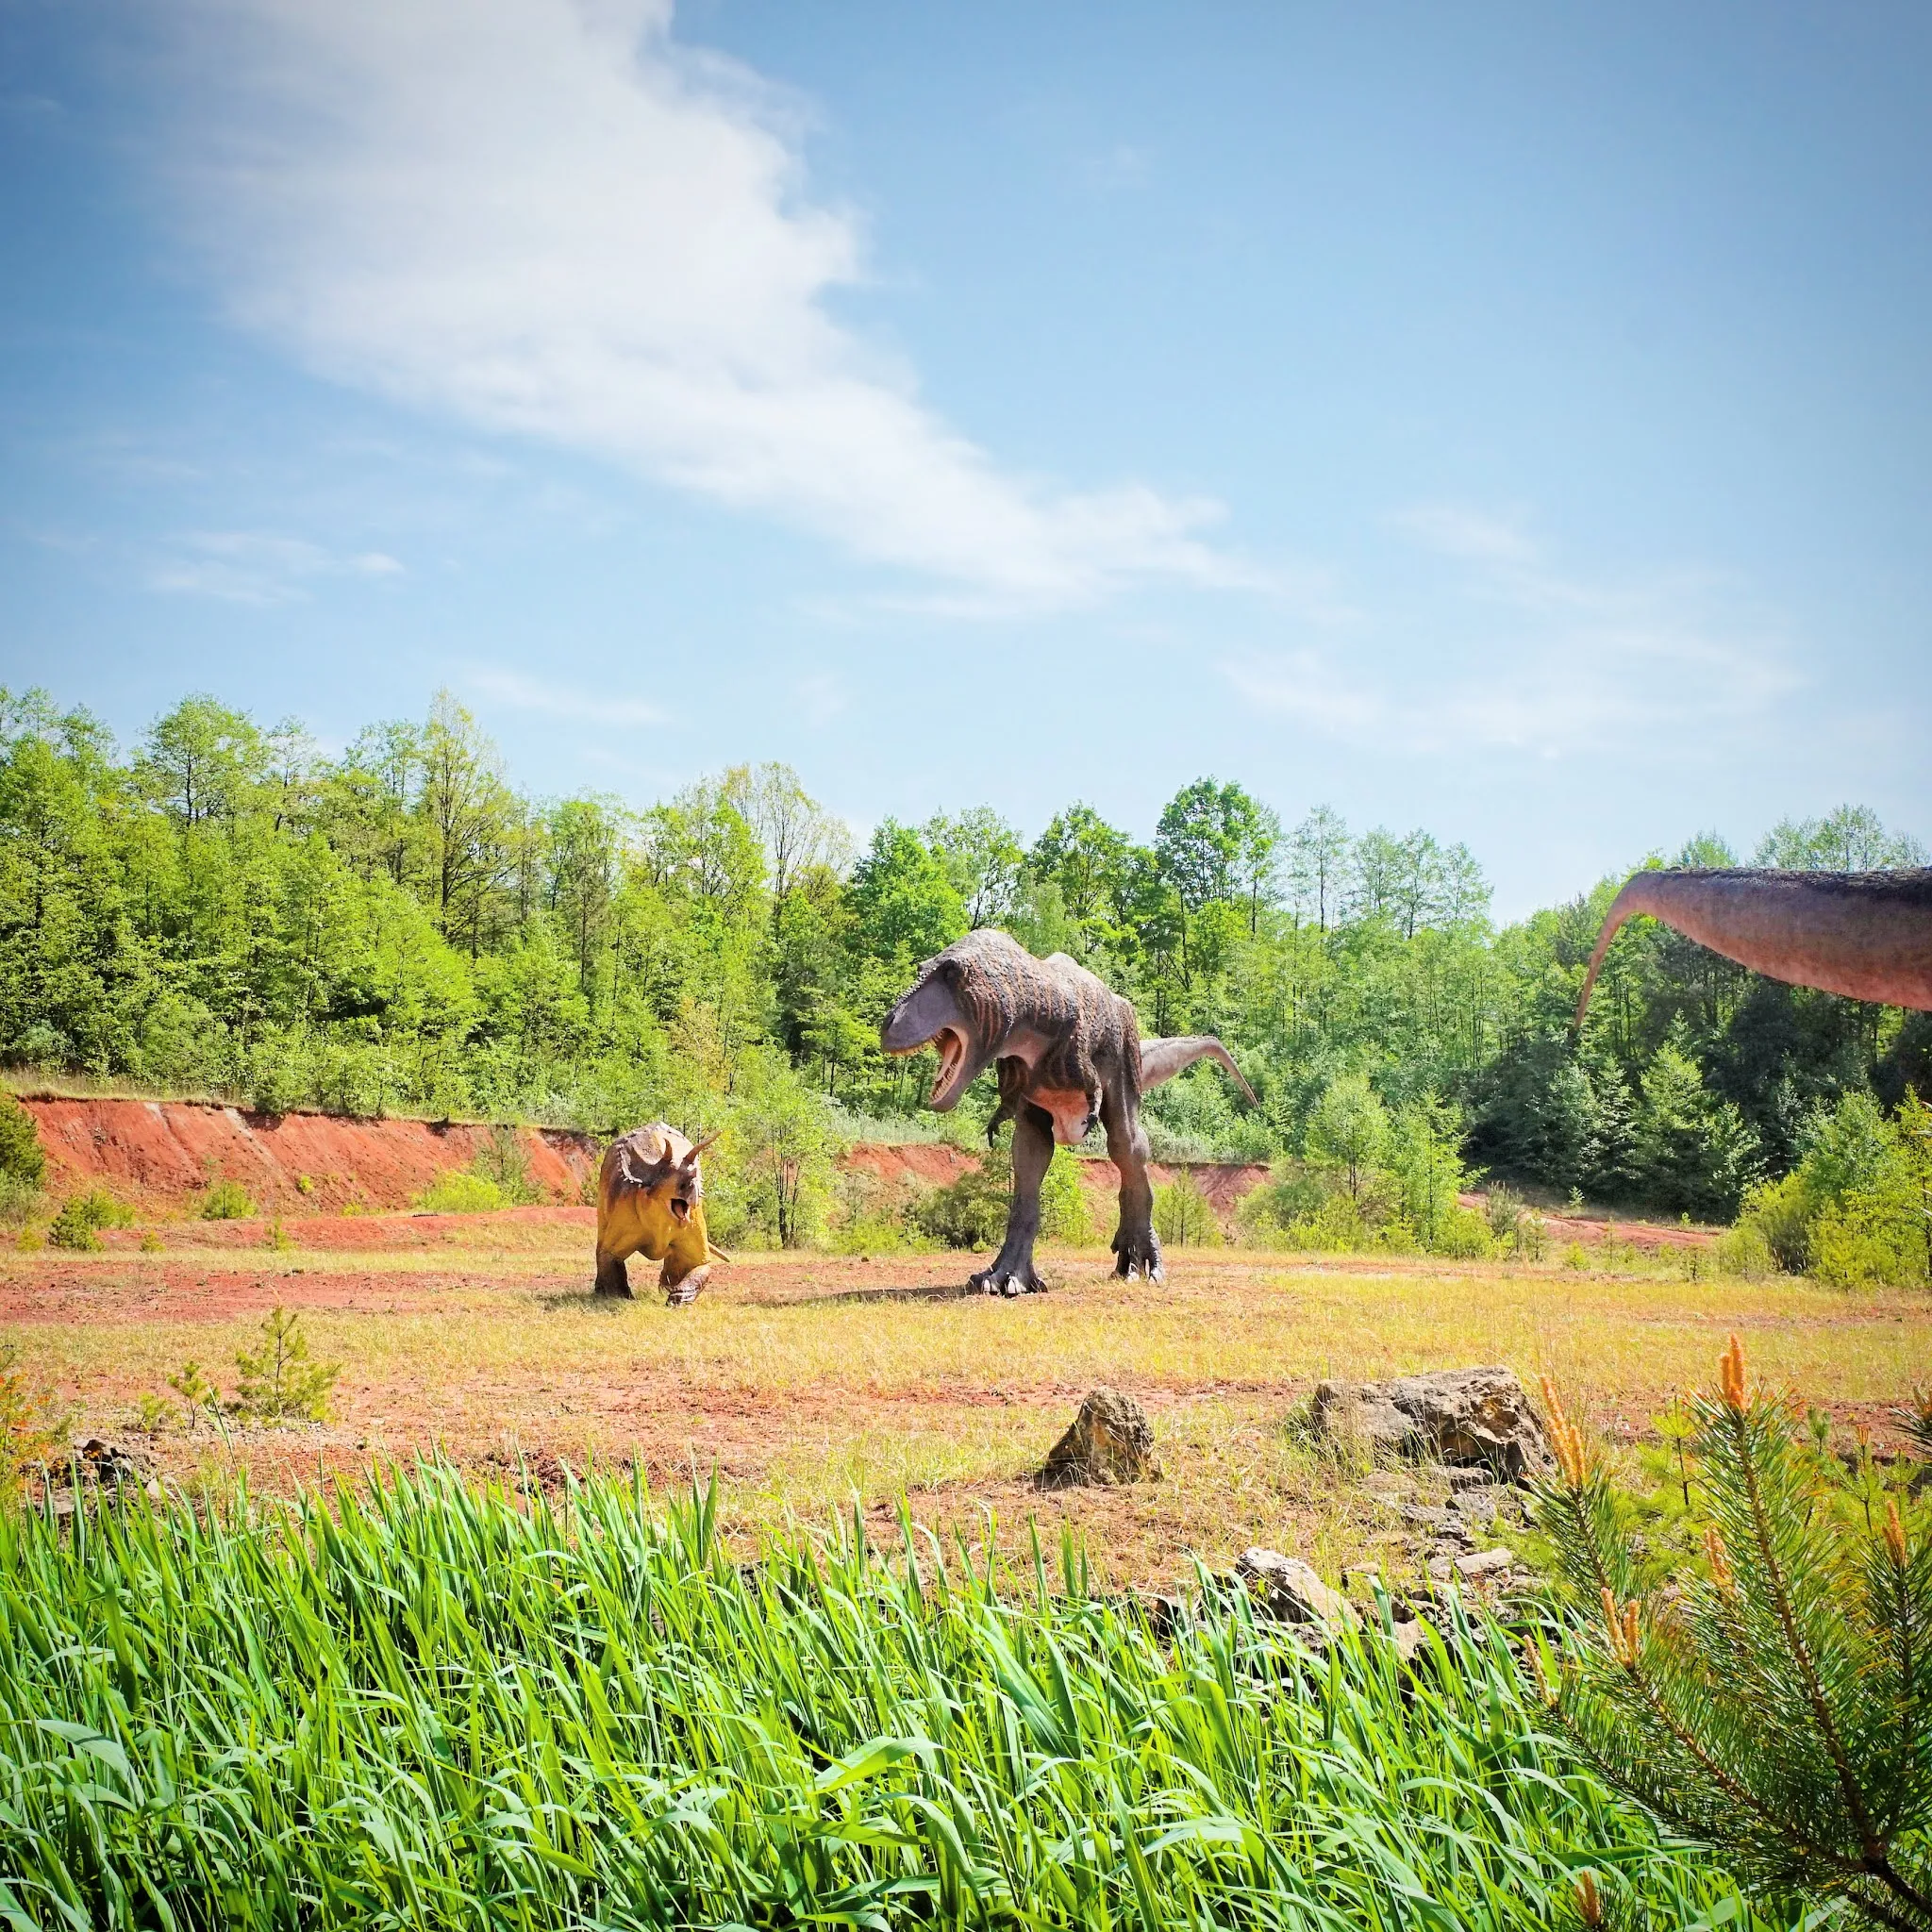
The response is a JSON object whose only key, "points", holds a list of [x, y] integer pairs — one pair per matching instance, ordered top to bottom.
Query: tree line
{"points": [[220, 906]]}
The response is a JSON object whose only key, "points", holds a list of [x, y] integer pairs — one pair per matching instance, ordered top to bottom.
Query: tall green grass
{"points": [[421, 1706]]}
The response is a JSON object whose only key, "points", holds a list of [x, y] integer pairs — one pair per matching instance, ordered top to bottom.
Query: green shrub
{"points": [[21, 1158], [1853, 1161], [771, 1179], [460, 1192], [17, 1199], [226, 1200], [969, 1212], [1264, 1213], [83, 1215], [1064, 1215], [1335, 1227], [72, 1229], [1464, 1234], [1876, 1238], [1744, 1252], [200, 1398]]}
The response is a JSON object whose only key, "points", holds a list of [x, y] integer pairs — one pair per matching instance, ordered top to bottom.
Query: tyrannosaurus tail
{"points": [[1161, 1059]]}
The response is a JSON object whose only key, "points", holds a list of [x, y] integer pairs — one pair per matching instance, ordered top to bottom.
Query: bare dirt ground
{"points": [[810, 1383]]}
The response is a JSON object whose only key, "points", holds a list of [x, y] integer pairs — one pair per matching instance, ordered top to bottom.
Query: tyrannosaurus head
{"points": [[940, 1013]]}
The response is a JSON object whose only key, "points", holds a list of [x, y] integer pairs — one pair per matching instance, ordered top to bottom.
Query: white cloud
{"points": [[549, 217], [256, 566], [1554, 663], [522, 693], [821, 696]]}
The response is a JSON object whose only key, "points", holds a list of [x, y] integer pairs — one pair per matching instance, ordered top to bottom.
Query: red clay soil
{"points": [[164, 1154]]}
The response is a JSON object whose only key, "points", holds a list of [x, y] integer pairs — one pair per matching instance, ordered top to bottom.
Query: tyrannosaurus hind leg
{"points": [[1136, 1246], [1012, 1272]]}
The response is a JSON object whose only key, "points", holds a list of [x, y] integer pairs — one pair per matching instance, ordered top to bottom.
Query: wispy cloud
{"points": [[551, 216], [257, 567], [1560, 662], [524, 694], [821, 696]]}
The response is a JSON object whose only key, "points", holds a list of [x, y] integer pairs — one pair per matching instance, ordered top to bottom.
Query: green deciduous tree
{"points": [[1349, 1130]]}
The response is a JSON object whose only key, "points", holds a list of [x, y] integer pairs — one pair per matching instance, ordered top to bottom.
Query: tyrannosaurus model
{"points": [[1866, 934], [1068, 1054]]}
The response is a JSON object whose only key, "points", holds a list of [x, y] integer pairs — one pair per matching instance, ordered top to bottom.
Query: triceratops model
{"points": [[1867, 934], [1069, 1054], [651, 1202]]}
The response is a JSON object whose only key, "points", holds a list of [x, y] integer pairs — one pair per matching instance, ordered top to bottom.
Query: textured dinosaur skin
{"points": [[1865, 934], [1069, 1054], [651, 1202]]}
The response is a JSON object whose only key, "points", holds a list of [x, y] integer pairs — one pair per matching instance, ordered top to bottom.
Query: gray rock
{"points": [[1470, 1418], [1109, 1442], [1467, 1478], [1475, 1506], [1426, 1516], [1485, 1563], [1289, 1589], [1410, 1639]]}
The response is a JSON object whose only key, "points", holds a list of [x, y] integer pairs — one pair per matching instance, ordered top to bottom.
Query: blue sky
{"points": [[1507, 419]]}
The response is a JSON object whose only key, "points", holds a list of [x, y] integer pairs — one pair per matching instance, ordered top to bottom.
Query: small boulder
{"points": [[1469, 1418], [1111, 1441], [1485, 1563], [1289, 1589]]}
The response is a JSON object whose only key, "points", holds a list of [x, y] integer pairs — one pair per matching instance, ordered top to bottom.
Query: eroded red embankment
{"points": [[163, 1154]]}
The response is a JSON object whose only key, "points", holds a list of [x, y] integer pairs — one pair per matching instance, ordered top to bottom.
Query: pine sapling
{"points": [[278, 1382], [200, 1398], [1778, 1706]]}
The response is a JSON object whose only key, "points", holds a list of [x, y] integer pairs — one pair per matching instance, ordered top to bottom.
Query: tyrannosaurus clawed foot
{"points": [[1138, 1253], [1009, 1280]]}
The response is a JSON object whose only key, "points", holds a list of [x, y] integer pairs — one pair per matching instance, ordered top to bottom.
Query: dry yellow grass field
{"points": [[810, 1383]]}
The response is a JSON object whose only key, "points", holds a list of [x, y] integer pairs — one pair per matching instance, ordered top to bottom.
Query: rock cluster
{"points": [[1475, 1418], [1109, 1442], [96, 1468], [1289, 1590]]}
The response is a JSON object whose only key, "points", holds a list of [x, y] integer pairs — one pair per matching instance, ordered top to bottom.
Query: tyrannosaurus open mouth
{"points": [[950, 1044]]}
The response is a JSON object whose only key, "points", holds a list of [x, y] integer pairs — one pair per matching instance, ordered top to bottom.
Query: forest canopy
{"points": [[222, 908]]}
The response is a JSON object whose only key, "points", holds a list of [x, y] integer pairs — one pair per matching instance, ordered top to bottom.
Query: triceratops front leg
{"points": [[1136, 1246], [1012, 1272]]}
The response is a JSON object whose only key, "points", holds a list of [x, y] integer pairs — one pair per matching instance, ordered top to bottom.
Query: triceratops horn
{"points": [[690, 1160]]}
